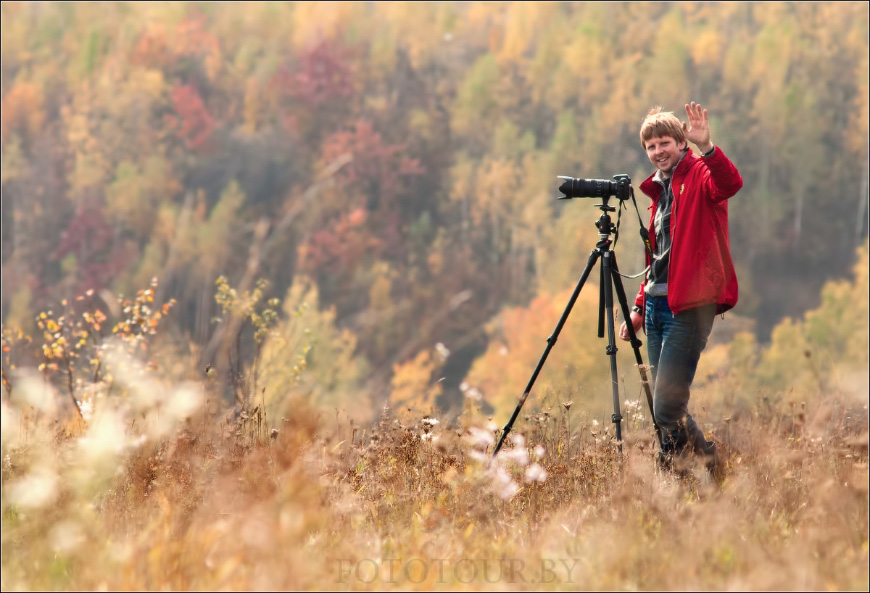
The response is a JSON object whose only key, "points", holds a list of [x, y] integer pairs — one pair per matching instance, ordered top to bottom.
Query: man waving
{"points": [[691, 277]]}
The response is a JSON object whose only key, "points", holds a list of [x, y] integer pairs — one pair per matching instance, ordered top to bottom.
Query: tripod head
{"points": [[604, 224]]}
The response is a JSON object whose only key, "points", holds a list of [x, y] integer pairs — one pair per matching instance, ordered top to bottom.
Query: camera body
{"points": [[620, 187]]}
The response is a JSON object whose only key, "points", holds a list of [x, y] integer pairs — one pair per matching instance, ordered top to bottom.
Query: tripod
{"points": [[610, 281]]}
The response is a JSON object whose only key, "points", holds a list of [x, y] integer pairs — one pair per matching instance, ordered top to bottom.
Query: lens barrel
{"points": [[587, 188], [596, 188]]}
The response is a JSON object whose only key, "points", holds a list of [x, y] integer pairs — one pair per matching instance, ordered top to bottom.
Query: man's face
{"points": [[664, 153]]}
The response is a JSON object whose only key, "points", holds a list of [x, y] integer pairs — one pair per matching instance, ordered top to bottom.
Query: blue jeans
{"points": [[674, 345]]}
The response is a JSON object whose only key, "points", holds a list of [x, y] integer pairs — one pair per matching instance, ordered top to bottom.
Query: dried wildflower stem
{"points": [[69, 381], [7, 385], [568, 427]]}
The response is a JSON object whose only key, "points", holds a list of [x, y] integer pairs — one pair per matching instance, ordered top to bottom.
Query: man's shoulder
{"points": [[692, 160], [690, 166]]}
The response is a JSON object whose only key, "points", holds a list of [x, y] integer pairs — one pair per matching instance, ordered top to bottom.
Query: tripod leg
{"points": [[607, 278], [602, 298], [551, 341], [635, 343]]}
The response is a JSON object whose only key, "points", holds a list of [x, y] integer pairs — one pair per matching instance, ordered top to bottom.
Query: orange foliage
{"points": [[152, 49], [22, 110], [412, 382]]}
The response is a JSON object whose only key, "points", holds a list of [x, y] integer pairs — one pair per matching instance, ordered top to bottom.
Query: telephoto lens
{"points": [[587, 188], [595, 188]]}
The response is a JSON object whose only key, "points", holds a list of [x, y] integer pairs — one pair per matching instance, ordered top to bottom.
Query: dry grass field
{"points": [[165, 490]]}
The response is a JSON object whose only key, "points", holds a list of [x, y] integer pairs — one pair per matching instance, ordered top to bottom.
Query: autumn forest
{"points": [[275, 273]]}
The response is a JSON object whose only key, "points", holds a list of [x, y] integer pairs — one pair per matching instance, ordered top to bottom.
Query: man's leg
{"points": [[656, 311], [654, 334], [683, 338]]}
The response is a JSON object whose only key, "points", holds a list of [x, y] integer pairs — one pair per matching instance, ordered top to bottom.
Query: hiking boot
{"points": [[673, 450], [666, 461], [713, 462], [679, 464]]}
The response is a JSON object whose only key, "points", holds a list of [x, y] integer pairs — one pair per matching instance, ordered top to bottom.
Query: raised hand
{"points": [[698, 129]]}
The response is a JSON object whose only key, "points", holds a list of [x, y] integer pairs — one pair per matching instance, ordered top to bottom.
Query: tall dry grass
{"points": [[168, 489]]}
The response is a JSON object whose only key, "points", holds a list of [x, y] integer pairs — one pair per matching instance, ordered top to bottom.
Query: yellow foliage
{"points": [[314, 21], [524, 22], [419, 27], [707, 48], [860, 115], [90, 170], [495, 185], [213, 238], [379, 293], [19, 315], [840, 325], [806, 356], [308, 357], [787, 362], [577, 363], [412, 382]]}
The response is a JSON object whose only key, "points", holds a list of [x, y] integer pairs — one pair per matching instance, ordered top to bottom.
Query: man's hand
{"points": [[698, 129], [636, 322]]}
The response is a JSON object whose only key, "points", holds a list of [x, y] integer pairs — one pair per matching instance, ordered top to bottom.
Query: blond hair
{"points": [[659, 124]]}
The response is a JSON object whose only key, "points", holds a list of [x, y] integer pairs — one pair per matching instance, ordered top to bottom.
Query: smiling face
{"points": [[664, 152]]}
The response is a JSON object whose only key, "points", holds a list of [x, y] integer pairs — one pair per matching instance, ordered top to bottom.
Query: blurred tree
{"points": [[667, 59], [475, 111], [136, 193], [308, 357]]}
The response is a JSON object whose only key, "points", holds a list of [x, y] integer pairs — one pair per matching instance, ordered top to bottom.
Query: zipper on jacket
{"points": [[673, 239], [649, 256]]}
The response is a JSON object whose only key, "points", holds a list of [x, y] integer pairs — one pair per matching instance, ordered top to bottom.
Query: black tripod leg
{"points": [[593, 257], [607, 278], [602, 282], [635, 342]]}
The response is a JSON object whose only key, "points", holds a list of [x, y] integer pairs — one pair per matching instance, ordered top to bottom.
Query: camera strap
{"points": [[644, 232], [644, 235]]}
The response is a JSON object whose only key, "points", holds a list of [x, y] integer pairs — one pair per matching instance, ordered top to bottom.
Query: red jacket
{"points": [[700, 270]]}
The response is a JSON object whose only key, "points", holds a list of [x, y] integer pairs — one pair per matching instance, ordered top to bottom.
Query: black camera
{"points": [[596, 188]]}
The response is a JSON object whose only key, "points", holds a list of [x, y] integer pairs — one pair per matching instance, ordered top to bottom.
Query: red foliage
{"points": [[193, 39], [323, 74], [194, 124], [377, 169], [89, 238], [340, 248]]}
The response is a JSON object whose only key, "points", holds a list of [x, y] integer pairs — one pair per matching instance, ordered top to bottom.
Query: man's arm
{"points": [[723, 180]]}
